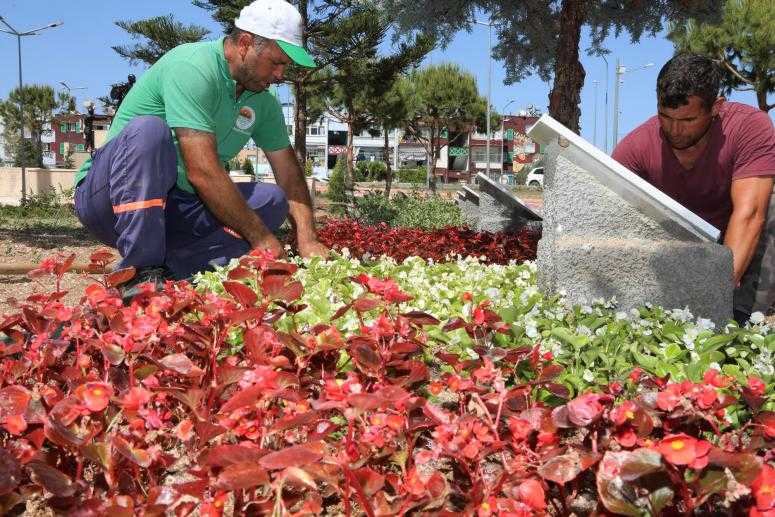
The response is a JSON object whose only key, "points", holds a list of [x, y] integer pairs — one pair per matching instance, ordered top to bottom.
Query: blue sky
{"points": [[79, 53]]}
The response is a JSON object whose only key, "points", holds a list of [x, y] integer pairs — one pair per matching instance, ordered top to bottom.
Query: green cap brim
{"points": [[297, 54]]}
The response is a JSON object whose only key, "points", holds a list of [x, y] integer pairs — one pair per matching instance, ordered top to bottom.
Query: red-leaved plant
{"points": [[399, 243], [185, 401]]}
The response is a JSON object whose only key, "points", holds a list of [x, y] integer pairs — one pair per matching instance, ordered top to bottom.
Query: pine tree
{"points": [[159, 35]]}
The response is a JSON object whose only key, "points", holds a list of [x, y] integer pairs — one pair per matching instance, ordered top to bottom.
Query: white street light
{"points": [[14, 32], [620, 71], [489, 87], [71, 88], [503, 112], [594, 124]]}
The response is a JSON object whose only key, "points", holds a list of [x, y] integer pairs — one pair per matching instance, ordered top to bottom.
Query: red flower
{"points": [[467, 297], [548, 356], [635, 374], [715, 378], [756, 385], [436, 387], [615, 387], [95, 395], [707, 397], [135, 398], [668, 399], [585, 409], [623, 412], [767, 420], [15, 424], [520, 428], [185, 430], [626, 437], [547, 438], [682, 449], [763, 488], [531, 492]]}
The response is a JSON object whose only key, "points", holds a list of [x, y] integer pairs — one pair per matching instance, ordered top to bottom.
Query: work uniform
{"points": [[741, 145], [134, 193]]}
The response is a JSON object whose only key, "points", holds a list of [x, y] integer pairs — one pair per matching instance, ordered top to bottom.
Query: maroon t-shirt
{"points": [[742, 144]]}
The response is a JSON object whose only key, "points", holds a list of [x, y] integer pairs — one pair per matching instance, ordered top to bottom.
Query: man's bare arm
{"points": [[290, 178], [218, 192], [750, 198]]}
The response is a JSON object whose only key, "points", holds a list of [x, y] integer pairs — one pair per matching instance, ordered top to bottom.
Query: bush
{"points": [[308, 167], [247, 168], [370, 171], [414, 175], [521, 176], [337, 191], [374, 208], [407, 211], [426, 213]]}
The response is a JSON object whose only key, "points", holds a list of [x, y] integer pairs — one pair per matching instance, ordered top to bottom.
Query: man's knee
{"points": [[151, 133], [273, 208]]}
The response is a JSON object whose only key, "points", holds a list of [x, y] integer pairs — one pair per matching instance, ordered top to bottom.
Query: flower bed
{"points": [[399, 243], [237, 397]]}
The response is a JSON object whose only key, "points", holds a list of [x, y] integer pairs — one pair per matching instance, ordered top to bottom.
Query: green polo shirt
{"points": [[191, 87]]}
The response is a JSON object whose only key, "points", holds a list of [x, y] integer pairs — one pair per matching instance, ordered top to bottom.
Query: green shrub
{"points": [[308, 167], [247, 168], [416, 175], [521, 177], [336, 186], [374, 208], [407, 211], [426, 213]]}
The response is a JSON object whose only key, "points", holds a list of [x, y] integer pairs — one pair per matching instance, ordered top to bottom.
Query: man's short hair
{"points": [[258, 41], [688, 74]]}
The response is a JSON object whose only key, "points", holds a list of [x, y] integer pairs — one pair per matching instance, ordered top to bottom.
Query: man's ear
{"points": [[244, 43], [717, 105]]}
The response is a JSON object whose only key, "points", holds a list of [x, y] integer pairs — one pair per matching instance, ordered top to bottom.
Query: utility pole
{"points": [[14, 32], [620, 71], [489, 88], [605, 105], [594, 124]]}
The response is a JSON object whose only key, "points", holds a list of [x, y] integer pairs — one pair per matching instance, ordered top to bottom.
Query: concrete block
{"points": [[468, 202], [500, 210], [605, 235], [672, 274]]}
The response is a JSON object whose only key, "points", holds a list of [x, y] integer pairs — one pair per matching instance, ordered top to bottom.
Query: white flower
{"points": [[586, 309], [620, 315], [756, 318], [705, 324], [583, 330], [588, 376]]}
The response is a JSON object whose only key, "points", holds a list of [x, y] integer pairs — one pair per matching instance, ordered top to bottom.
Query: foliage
{"points": [[158, 35], [740, 43], [549, 49], [361, 78], [440, 97], [39, 104], [68, 162], [247, 168], [308, 168], [370, 171], [412, 175], [337, 192], [415, 211], [399, 243], [188, 401]]}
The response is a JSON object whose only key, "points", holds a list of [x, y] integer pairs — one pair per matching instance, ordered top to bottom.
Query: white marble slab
{"points": [[615, 176], [517, 202]]}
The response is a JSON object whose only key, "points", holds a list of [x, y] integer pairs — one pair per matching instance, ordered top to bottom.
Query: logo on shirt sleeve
{"points": [[246, 118]]}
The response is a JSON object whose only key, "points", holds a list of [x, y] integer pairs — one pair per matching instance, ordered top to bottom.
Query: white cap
{"points": [[279, 21]]}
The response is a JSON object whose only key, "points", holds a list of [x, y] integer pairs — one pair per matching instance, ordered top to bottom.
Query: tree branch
{"points": [[734, 71]]}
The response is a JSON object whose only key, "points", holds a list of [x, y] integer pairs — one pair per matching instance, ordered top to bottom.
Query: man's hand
{"points": [[271, 243], [312, 247]]}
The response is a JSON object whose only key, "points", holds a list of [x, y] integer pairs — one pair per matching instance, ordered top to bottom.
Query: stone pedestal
{"points": [[468, 201], [501, 211], [597, 245]]}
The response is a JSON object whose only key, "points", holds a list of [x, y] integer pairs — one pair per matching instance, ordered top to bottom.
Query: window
{"points": [[78, 126], [63, 127], [72, 127], [289, 128], [314, 130], [46, 148], [62, 148], [80, 148], [479, 154]]}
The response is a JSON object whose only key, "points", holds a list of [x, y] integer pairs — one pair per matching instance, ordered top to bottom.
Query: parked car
{"points": [[535, 178]]}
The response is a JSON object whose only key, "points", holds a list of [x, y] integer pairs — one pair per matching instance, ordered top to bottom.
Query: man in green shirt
{"points": [[157, 190]]}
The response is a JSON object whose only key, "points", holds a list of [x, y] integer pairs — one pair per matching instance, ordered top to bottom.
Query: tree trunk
{"points": [[569, 75], [300, 94], [761, 99], [300, 123], [432, 161], [389, 170], [349, 172]]}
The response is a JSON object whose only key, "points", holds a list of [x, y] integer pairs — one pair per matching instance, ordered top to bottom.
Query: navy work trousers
{"points": [[129, 201]]}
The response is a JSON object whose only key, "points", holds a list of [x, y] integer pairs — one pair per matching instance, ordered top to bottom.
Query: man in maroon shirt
{"points": [[716, 158]]}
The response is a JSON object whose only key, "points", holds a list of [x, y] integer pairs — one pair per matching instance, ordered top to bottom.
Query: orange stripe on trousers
{"points": [[138, 205]]}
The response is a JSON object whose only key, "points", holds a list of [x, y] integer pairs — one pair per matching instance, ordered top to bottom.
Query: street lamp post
{"points": [[14, 32], [620, 71], [489, 88], [605, 105], [503, 112], [594, 123]]}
